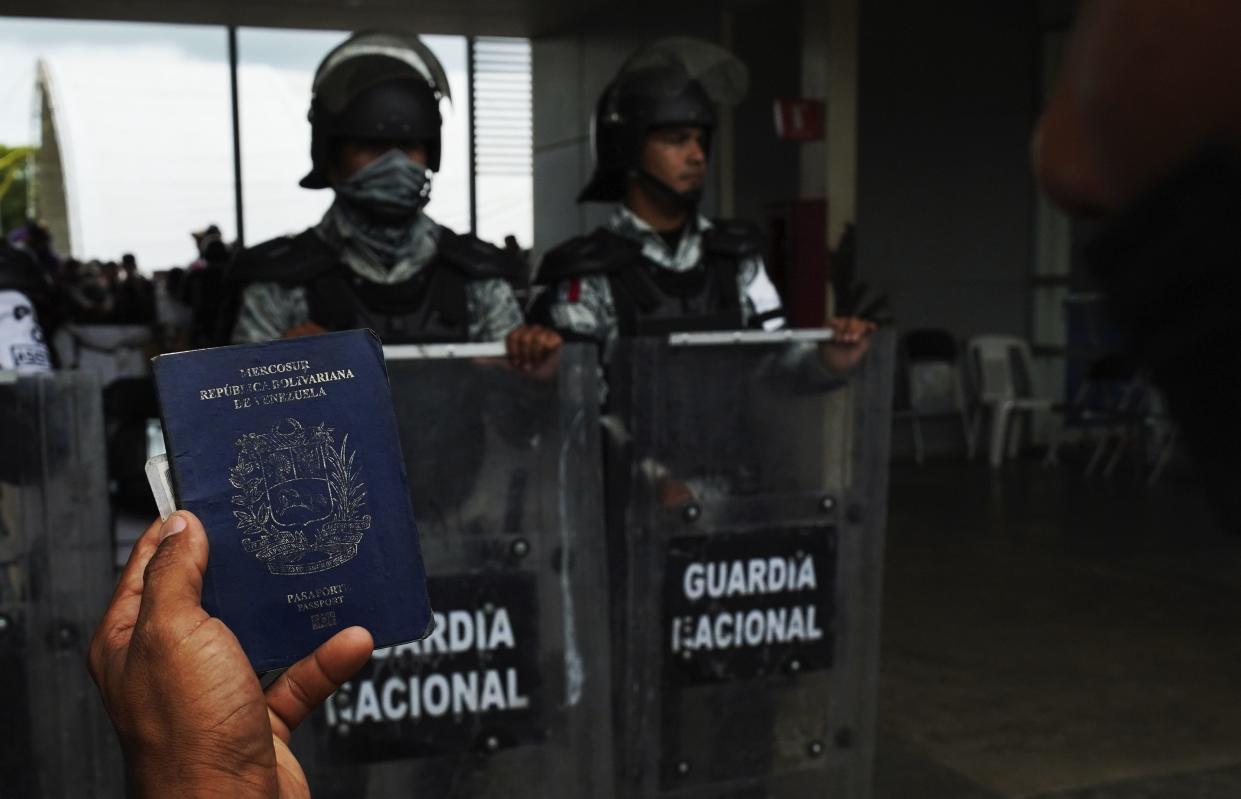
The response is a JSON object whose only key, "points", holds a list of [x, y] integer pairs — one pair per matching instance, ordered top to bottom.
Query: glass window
{"points": [[275, 71], [133, 127], [504, 140], [450, 195]]}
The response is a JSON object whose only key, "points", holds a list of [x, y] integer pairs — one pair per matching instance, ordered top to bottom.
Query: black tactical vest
{"points": [[652, 300], [431, 307]]}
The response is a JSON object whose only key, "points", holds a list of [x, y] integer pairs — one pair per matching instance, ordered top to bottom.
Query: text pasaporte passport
{"points": [[289, 454]]}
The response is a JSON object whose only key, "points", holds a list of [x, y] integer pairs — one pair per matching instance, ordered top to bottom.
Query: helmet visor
{"points": [[367, 59], [681, 61]]}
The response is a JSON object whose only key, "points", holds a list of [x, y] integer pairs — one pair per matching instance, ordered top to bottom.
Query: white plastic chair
{"points": [[1002, 373], [930, 384]]}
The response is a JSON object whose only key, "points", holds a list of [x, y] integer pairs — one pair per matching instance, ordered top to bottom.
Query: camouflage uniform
{"points": [[582, 307], [269, 309]]}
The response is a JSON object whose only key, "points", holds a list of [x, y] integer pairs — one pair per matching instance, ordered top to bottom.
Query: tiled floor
{"points": [[1045, 636]]}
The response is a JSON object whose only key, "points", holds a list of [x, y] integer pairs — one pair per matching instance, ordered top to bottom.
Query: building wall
{"points": [[768, 38], [570, 71], [816, 84], [947, 100]]}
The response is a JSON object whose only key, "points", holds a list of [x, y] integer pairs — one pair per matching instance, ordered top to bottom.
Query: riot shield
{"points": [[747, 490], [56, 575], [510, 696]]}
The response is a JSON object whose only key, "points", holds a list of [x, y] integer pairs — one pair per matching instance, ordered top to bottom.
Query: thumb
{"points": [[173, 581]]}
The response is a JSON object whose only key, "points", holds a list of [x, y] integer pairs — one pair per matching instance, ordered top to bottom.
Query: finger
{"points": [[304, 329], [551, 342], [533, 346], [517, 347], [527, 347], [539, 350], [130, 582], [172, 594], [122, 611], [309, 681]]}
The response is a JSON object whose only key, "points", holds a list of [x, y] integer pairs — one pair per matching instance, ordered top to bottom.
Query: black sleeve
{"points": [[1171, 269], [539, 312]]}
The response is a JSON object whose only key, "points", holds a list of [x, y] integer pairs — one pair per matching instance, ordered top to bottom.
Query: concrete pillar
{"points": [[840, 162], [812, 174]]}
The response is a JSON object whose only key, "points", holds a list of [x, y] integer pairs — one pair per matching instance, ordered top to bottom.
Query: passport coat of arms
{"points": [[301, 504]]}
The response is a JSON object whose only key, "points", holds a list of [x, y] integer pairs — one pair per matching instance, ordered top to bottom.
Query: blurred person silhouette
{"points": [[1142, 135], [36, 238], [202, 240], [203, 291], [88, 294], [134, 294], [173, 317]]}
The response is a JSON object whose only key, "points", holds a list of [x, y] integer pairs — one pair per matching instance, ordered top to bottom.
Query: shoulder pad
{"points": [[733, 237], [599, 252], [288, 259], [478, 259]]}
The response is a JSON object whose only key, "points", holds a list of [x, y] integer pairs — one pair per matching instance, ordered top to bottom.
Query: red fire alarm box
{"points": [[799, 119]]}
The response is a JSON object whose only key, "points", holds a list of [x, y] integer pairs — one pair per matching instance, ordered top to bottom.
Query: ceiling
{"points": [[473, 17]]}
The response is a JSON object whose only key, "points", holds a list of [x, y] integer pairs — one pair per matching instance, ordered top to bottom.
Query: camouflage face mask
{"points": [[392, 189]]}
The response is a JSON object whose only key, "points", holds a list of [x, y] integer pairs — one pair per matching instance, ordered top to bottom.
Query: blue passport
{"points": [[289, 453]]}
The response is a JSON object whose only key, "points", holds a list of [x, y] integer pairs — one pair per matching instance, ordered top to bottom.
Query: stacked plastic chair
{"points": [[1001, 370], [930, 384]]}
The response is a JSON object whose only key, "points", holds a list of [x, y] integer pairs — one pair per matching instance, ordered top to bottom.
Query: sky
{"points": [[23, 41], [144, 114]]}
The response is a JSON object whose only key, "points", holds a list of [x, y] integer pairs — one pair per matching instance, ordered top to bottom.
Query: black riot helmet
{"points": [[669, 83], [375, 86]]}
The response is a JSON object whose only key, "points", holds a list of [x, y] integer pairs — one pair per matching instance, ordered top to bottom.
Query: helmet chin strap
{"points": [[685, 200]]}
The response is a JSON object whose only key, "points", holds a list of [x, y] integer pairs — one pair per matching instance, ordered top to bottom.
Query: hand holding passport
{"points": [[289, 455], [189, 710]]}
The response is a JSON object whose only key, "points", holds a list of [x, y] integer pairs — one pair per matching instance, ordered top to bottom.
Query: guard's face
{"points": [[353, 155], [676, 156]]}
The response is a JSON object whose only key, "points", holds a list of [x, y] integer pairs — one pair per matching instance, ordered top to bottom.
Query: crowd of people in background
{"points": [[179, 303]]}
